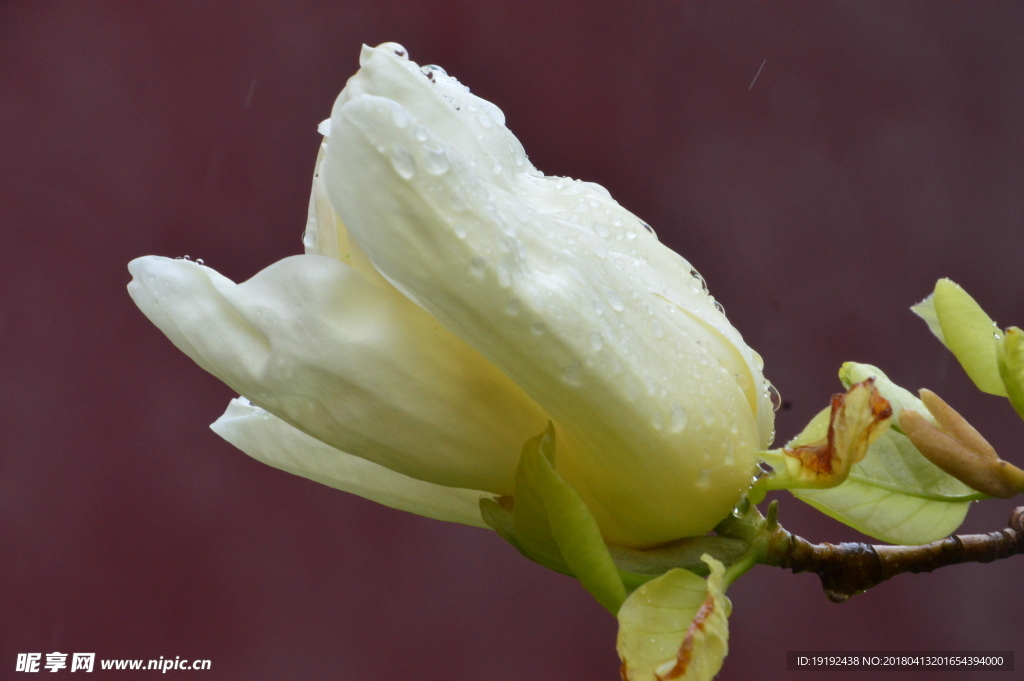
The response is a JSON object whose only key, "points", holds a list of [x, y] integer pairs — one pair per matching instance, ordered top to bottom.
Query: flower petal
{"points": [[355, 366], [654, 393], [267, 438]]}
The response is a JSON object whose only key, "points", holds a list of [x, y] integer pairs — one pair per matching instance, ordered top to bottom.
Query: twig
{"points": [[852, 568]]}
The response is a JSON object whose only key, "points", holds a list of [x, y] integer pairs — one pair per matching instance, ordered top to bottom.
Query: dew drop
{"points": [[395, 49], [432, 71], [399, 116], [485, 121], [421, 133], [402, 161], [435, 161], [496, 168], [648, 228], [460, 230], [602, 230], [630, 234], [199, 261], [478, 265], [504, 278], [699, 279], [614, 300], [512, 306], [719, 307], [537, 328], [596, 341], [758, 361], [572, 374], [743, 381], [773, 395], [709, 416], [679, 417], [704, 477], [741, 507]]}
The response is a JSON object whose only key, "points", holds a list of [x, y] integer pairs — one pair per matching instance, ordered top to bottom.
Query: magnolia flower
{"points": [[451, 302]]}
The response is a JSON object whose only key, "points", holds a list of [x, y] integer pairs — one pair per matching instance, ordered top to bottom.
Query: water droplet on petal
{"points": [[395, 49], [431, 71], [399, 116], [485, 121], [422, 133], [402, 161], [435, 161], [648, 228], [602, 229], [460, 230], [199, 261], [478, 265], [699, 279], [614, 300], [512, 306], [719, 306], [537, 328], [596, 341], [572, 374], [743, 381], [773, 395], [709, 416], [679, 417], [704, 477], [741, 508]]}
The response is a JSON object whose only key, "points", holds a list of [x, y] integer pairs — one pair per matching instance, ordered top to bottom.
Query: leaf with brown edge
{"points": [[815, 461], [675, 627]]}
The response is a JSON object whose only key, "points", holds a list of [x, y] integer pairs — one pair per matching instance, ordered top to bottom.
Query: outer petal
{"points": [[355, 366], [656, 396], [267, 438]]}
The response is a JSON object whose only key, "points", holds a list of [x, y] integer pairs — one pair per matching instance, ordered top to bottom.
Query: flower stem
{"points": [[852, 568]]}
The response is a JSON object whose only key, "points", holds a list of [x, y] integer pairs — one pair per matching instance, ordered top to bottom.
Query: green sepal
{"points": [[969, 334], [1010, 354], [549, 524]]}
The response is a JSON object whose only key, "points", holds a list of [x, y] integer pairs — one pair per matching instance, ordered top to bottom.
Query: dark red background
{"points": [[881, 147]]}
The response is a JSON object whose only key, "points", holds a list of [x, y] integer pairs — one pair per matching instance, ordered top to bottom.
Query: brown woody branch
{"points": [[852, 568]]}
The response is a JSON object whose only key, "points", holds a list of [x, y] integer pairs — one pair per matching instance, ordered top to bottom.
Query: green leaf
{"points": [[969, 333], [1011, 367], [900, 398], [896, 495], [549, 524], [675, 627]]}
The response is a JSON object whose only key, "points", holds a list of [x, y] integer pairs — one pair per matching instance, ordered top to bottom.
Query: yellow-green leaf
{"points": [[969, 334], [1011, 367], [900, 398], [895, 494], [675, 627]]}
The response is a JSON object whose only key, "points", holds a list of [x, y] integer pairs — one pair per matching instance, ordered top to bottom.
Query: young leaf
{"points": [[969, 334], [1011, 366], [900, 398], [895, 494], [675, 627]]}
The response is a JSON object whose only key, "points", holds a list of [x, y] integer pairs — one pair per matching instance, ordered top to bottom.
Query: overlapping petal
{"points": [[354, 365], [267, 438]]}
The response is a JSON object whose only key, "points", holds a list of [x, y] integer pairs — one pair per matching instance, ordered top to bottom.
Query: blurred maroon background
{"points": [[881, 147]]}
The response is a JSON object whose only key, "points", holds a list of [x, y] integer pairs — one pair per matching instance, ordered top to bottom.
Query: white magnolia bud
{"points": [[453, 299]]}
